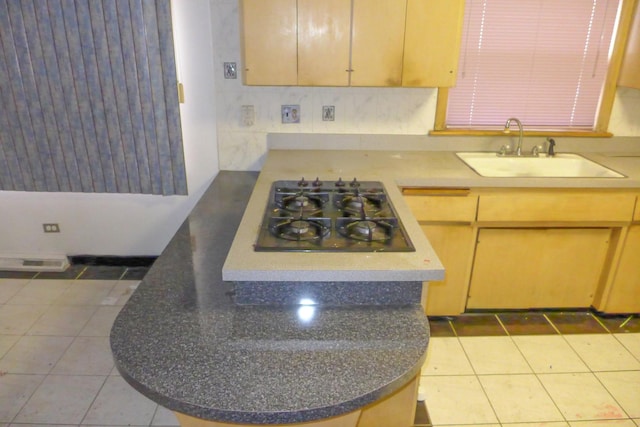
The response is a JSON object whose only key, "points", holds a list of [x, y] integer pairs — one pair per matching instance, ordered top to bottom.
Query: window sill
{"points": [[554, 133]]}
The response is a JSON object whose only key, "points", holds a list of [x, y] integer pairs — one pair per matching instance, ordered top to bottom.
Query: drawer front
{"points": [[566, 206], [443, 208]]}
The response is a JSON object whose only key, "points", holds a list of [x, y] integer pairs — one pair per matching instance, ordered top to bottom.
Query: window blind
{"points": [[543, 61], [88, 97]]}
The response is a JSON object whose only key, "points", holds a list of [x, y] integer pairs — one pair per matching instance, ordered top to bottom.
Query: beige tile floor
{"points": [[56, 368], [586, 380]]}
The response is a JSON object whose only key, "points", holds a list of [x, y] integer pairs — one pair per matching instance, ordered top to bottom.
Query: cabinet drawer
{"points": [[564, 206], [443, 208]]}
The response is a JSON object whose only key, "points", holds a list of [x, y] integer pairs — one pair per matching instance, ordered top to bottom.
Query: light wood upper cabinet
{"points": [[323, 42], [377, 42], [432, 42], [270, 46], [630, 70]]}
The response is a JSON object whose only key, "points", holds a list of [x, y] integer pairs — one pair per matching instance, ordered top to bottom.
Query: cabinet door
{"points": [[324, 37], [377, 42], [432, 42], [269, 43], [454, 246], [537, 268], [625, 291]]}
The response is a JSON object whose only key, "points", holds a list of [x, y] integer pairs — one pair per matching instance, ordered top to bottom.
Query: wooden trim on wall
{"points": [[611, 82]]}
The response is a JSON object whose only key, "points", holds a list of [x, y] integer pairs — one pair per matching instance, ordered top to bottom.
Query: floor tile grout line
{"points": [[599, 322], [504, 328], [555, 328], [626, 348], [475, 374], [44, 377], [611, 394], [93, 401]]}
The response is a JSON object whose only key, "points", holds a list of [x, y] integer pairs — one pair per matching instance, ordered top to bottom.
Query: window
{"points": [[543, 61]]}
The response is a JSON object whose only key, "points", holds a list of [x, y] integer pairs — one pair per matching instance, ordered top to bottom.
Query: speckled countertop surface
{"points": [[394, 169], [181, 341]]}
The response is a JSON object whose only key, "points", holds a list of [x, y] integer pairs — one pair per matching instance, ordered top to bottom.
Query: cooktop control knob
{"points": [[302, 182], [317, 183], [340, 183], [354, 183]]}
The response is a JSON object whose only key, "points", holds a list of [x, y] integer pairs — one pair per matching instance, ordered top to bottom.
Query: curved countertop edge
{"points": [[158, 337], [276, 417]]}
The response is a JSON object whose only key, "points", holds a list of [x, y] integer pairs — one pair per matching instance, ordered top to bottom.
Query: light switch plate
{"points": [[290, 114]]}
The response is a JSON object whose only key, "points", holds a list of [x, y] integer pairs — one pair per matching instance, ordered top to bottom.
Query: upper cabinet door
{"points": [[324, 38], [269, 42], [377, 42], [432, 42], [630, 70]]}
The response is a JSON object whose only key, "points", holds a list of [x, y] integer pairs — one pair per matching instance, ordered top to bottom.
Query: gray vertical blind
{"points": [[88, 97]]}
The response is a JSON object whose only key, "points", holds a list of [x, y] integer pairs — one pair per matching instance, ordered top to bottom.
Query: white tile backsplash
{"points": [[394, 111]]}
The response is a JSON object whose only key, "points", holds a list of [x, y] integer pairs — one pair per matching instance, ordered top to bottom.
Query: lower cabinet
{"points": [[454, 246], [517, 248], [537, 268], [624, 295]]}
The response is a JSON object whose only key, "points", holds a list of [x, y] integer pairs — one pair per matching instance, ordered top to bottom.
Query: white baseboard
{"points": [[52, 263]]}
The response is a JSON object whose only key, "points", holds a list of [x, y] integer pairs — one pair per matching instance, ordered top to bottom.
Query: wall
{"points": [[358, 110], [127, 224]]}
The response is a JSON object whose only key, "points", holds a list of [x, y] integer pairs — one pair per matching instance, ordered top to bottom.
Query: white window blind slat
{"points": [[543, 61]]}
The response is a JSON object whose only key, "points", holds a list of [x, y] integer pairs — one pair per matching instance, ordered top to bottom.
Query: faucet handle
{"points": [[551, 147], [535, 151]]}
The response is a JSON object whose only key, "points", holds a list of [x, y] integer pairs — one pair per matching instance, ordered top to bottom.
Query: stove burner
{"points": [[301, 203], [299, 229], [367, 230]]}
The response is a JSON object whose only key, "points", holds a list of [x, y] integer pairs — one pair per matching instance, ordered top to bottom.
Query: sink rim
{"points": [[468, 155]]}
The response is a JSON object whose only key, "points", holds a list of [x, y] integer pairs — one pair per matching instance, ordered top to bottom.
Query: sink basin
{"points": [[563, 165]]}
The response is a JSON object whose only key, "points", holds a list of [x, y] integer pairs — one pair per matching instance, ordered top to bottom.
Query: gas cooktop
{"points": [[351, 216]]}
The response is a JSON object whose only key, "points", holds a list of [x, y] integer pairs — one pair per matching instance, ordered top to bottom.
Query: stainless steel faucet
{"points": [[518, 151]]}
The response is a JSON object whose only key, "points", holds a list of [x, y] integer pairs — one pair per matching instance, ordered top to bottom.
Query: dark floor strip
{"points": [[113, 261], [71, 273], [103, 273], [17, 274], [576, 323], [526, 324], [477, 325], [441, 327]]}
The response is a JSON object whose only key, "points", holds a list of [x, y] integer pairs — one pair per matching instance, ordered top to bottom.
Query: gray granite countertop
{"points": [[181, 341]]}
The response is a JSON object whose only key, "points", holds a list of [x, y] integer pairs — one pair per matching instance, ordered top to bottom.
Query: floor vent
{"points": [[34, 264]]}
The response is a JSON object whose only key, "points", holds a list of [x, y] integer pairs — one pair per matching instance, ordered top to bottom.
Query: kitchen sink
{"points": [[562, 165]]}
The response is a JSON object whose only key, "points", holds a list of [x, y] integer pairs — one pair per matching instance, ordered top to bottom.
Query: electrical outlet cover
{"points": [[230, 70], [328, 113], [290, 114]]}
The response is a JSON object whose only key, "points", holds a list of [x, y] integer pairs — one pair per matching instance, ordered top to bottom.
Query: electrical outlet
{"points": [[230, 70], [328, 113], [290, 114], [248, 115], [51, 228]]}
